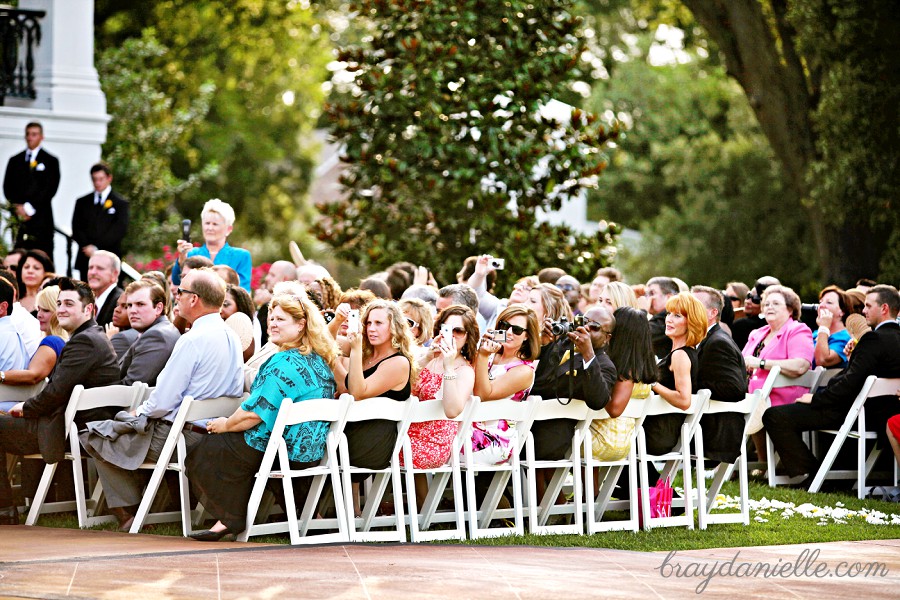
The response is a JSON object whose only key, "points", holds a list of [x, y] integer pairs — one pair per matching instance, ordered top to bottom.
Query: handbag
{"points": [[660, 501]]}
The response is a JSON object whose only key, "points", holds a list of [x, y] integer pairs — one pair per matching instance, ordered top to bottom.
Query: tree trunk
{"points": [[776, 85]]}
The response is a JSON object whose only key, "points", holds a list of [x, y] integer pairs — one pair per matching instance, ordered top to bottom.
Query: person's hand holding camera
{"points": [[183, 247], [824, 318], [355, 339], [582, 340], [488, 346], [448, 351]]}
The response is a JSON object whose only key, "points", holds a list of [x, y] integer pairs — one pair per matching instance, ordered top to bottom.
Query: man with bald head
{"points": [[205, 363], [588, 375]]}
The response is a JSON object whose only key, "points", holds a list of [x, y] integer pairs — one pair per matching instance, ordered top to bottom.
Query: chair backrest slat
{"points": [[378, 408]]}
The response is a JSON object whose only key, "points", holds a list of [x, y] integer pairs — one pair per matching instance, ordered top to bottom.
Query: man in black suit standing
{"points": [[31, 181], [100, 219], [102, 276], [876, 353], [722, 372], [37, 425]]}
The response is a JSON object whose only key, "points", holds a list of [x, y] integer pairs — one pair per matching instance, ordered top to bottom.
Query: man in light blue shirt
{"points": [[13, 355], [205, 363]]}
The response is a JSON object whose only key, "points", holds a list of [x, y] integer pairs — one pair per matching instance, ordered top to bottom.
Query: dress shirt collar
{"points": [[101, 299]]}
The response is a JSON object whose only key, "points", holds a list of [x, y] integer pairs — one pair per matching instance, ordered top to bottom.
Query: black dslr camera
{"points": [[563, 326]]}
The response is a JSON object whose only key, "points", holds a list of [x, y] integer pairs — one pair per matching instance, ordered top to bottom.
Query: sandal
{"points": [[759, 474], [885, 493]]}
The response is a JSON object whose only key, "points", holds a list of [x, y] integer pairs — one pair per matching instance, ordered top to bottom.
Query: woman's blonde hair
{"points": [[221, 208], [621, 294], [46, 299], [554, 302], [686, 305], [421, 314], [401, 337], [314, 338]]}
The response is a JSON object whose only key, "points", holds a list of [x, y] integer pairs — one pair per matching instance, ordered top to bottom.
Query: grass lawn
{"points": [[822, 519]]}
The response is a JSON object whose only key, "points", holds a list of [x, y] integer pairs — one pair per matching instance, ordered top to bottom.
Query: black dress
{"points": [[663, 431], [370, 443]]}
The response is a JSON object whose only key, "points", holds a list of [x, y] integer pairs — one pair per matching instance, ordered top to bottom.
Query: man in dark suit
{"points": [[31, 181], [100, 219], [103, 274], [659, 290], [876, 353], [148, 355], [589, 370], [722, 372], [37, 425]]}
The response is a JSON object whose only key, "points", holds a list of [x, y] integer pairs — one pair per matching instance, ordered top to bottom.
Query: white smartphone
{"points": [[496, 263], [353, 320], [446, 333]]}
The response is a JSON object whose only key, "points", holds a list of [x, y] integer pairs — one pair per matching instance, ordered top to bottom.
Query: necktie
{"points": [[28, 156], [96, 198]]}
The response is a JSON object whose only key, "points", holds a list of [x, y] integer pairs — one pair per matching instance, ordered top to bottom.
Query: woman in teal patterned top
{"points": [[221, 467]]}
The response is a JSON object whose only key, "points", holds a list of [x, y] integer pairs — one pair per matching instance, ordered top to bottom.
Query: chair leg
{"points": [[41, 494]]}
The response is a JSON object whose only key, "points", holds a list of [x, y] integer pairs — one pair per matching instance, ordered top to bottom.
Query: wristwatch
{"points": [[762, 364]]}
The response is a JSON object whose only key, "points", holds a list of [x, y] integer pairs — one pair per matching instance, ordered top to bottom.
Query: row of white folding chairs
{"points": [[853, 428], [461, 463]]}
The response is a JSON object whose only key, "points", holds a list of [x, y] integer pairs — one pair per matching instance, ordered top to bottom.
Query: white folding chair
{"points": [[776, 379], [872, 388], [15, 394], [125, 397], [291, 413], [680, 454], [172, 457], [609, 472], [707, 500], [538, 516], [480, 517], [420, 523], [360, 528]]}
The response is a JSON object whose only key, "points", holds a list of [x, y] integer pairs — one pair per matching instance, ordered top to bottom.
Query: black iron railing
{"points": [[20, 33]]}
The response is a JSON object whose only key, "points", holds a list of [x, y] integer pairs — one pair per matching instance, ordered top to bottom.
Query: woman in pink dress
{"points": [[784, 342], [447, 376]]}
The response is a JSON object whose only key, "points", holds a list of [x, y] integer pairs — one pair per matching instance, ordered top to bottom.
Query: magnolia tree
{"points": [[441, 110]]}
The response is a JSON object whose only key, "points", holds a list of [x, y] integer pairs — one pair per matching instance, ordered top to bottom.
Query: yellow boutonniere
{"points": [[33, 164], [108, 203]]}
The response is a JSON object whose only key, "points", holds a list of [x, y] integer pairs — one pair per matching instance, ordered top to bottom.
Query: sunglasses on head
{"points": [[503, 326]]}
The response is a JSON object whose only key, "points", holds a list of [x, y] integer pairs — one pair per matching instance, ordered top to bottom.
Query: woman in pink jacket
{"points": [[784, 342]]}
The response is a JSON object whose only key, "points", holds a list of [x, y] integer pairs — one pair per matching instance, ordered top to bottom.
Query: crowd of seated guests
{"points": [[399, 333]]}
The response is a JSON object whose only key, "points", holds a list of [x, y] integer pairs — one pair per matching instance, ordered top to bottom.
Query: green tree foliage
{"points": [[266, 61], [144, 135], [446, 153], [696, 175]]}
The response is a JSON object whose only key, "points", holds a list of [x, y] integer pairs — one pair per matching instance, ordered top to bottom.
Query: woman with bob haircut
{"points": [[218, 221], [616, 294], [784, 342], [505, 370], [677, 373], [222, 466]]}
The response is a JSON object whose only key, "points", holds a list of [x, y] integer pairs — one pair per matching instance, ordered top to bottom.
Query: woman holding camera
{"points": [[218, 221], [832, 336], [504, 368]]}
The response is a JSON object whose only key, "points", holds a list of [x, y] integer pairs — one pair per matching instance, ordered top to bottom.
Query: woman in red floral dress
{"points": [[447, 376]]}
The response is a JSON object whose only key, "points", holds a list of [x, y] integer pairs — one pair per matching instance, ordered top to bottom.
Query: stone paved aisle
{"points": [[38, 562]]}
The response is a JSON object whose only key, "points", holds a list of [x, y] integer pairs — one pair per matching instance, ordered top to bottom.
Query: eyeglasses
{"points": [[180, 291], [412, 324], [503, 326], [595, 327]]}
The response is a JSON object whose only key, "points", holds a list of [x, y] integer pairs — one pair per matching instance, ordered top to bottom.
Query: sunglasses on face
{"points": [[567, 287], [754, 299], [412, 324], [503, 326], [595, 327]]}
